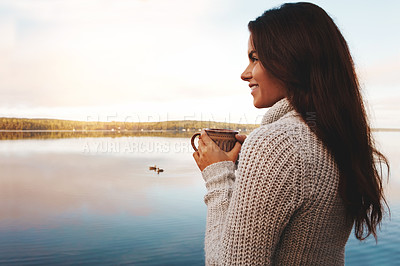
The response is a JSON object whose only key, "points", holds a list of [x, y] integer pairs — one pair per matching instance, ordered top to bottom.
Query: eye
{"points": [[253, 56], [253, 59]]}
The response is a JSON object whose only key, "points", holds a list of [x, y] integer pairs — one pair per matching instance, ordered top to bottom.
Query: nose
{"points": [[246, 75]]}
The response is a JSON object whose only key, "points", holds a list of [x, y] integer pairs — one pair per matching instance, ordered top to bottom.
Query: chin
{"points": [[265, 104], [260, 105]]}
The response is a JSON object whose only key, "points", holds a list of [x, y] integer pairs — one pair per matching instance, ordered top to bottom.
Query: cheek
{"points": [[258, 74]]}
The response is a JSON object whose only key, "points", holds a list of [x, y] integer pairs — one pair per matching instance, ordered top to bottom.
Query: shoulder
{"points": [[290, 134], [286, 142], [275, 144], [271, 159]]}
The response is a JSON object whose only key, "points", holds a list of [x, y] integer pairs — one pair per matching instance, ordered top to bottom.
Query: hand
{"points": [[240, 138], [209, 152]]}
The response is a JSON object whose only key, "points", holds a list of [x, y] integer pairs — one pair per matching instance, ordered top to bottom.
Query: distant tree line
{"points": [[57, 124], [25, 134]]}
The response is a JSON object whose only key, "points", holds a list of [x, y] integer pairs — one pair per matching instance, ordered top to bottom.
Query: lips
{"points": [[253, 86]]}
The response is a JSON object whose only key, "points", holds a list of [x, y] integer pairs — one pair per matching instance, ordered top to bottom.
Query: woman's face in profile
{"points": [[265, 88]]}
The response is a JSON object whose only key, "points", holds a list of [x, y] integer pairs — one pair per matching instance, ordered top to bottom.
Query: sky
{"points": [[157, 60]]}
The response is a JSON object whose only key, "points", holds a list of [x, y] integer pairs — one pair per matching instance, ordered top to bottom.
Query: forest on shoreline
{"points": [[70, 125], [24, 128]]}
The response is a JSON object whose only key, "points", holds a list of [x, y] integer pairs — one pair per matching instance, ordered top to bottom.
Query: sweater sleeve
{"points": [[246, 218]]}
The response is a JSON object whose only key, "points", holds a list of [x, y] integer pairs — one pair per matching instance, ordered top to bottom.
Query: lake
{"points": [[93, 200]]}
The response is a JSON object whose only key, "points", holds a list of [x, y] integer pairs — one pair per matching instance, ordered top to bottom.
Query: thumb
{"points": [[240, 138], [208, 141], [233, 154]]}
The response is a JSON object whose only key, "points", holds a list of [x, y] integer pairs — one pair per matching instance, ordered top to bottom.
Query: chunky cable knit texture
{"points": [[281, 206]]}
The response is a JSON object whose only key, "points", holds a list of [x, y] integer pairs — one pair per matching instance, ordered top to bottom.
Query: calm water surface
{"points": [[95, 201]]}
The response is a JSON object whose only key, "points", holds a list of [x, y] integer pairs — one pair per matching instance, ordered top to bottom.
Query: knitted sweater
{"points": [[281, 206]]}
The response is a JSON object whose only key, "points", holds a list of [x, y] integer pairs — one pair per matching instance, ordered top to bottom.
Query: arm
{"points": [[245, 219]]}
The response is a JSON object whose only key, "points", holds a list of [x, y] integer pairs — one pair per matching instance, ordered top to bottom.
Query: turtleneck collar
{"points": [[279, 109]]}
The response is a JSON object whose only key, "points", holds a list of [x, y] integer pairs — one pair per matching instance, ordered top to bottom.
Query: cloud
{"points": [[105, 10], [7, 33], [101, 52], [66, 56], [384, 73]]}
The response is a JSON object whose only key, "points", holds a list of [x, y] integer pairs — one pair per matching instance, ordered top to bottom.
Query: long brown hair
{"points": [[300, 45]]}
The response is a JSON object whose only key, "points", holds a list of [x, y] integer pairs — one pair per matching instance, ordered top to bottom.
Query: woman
{"points": [[308, 173]]}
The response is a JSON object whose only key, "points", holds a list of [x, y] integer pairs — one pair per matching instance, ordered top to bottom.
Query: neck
{"points": [[279, 109]]}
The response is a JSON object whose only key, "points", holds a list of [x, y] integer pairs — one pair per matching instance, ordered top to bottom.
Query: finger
{"points": [[240, 138], [207, 140], [201, 146], [233, 154], [196, 156]]}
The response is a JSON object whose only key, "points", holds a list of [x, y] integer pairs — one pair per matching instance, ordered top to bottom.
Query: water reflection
{"points": [[389, 144], [36, 186], [94, 200], [62, 204]]}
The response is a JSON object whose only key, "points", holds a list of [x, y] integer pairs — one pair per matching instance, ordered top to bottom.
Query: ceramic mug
{"points": [[224, 138]]}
